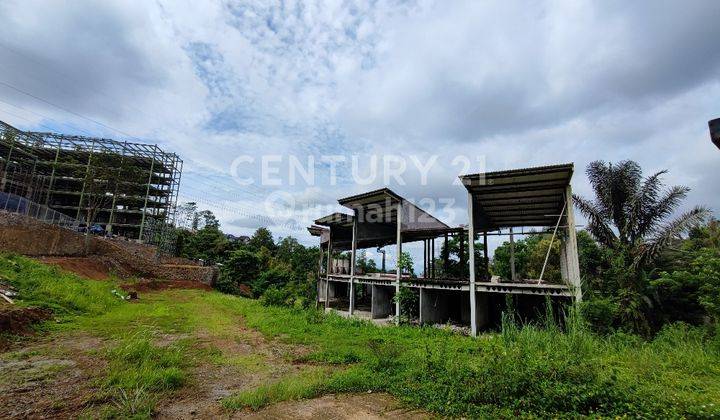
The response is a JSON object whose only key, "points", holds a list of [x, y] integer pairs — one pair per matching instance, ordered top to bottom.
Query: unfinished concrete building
{"points": [[127, 185], [499, 203]]}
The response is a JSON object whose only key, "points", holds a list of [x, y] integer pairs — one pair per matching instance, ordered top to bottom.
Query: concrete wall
{"points": [[382, 304]]}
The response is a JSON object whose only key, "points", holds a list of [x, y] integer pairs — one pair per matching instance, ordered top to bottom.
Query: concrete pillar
{"points": [[471, 243], [353, 253], [512, 256], [573, 262], [328, 269], [398, 270], [381, 302], [482, 311]]}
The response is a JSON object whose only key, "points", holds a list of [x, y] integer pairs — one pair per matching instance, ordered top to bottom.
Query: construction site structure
{"points": [[126, 186], [499, 203]]}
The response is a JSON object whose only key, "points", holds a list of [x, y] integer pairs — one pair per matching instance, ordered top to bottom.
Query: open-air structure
{"points": [[499, 203]]}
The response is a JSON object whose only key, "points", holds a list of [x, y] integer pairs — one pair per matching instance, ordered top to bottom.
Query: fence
{"points": [[15, 204]]}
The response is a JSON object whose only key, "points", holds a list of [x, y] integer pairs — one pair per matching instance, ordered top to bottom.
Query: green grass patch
{"points": [[49, 287], [140, 371], [528, 371], [304, 384]]}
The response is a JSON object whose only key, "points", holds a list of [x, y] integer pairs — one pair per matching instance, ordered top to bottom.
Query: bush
{"points": [[275, 276], [274, 297], [409, 303], [600, 313]]}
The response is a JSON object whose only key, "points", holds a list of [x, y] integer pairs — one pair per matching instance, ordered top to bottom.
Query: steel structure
{"points": [[63, 163]]}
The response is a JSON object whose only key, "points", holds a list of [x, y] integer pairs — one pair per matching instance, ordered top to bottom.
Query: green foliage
{"points": [[262, 238], [208, 244], [530, 255], [406, 263], [457, 265], [241, 267], [274, 276], [692, 293], [409, 300], [138, 370], [523, 372]]}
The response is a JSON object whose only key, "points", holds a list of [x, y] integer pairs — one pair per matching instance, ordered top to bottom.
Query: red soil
{"points": [[90, 267], [155, 285]]}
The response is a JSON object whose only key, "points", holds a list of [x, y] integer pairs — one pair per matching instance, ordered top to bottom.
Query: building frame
{"points": [[61, 159], [498, 204]]}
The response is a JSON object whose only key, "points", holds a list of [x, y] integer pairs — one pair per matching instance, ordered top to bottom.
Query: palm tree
{"points": [[630, 212]]}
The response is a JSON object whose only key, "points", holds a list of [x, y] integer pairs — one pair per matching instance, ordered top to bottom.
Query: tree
{"points": [[631, 212], [185, 215], [629, 218], [208, 220], [261, 238], [405, 262], [455, 265], [241, 267]]}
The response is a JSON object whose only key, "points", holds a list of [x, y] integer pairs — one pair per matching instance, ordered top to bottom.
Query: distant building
{"points": [[70, 173]]}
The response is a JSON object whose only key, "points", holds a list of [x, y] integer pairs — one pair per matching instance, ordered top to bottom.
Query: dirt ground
{"points": [[95, 267], [145, 285], [57, 375], [49, 377], [353, 406]]}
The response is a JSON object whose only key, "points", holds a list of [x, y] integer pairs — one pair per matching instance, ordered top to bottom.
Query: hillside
{"points": [[185, 353]]}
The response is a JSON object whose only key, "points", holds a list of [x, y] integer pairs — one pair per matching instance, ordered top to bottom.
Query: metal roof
{"points": [[519, 197], [377, 217]]}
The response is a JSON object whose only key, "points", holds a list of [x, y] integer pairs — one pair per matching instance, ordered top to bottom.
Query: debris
{"points": [[7, 292]]}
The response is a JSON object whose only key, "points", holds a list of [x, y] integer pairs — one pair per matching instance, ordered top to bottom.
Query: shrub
{"points": [[275, 276], [409, 303], [600, 313]]}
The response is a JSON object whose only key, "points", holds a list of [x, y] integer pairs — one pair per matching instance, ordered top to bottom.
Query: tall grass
{"points": [[529, 370], [139, 372]]}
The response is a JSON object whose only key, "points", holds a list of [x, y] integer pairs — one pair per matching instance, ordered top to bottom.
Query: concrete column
{"points": [[471, 244], [353, 253], [485, 255], [512, 256], [432, 258], [573, 262], [425, 266], [327, 271], [398, 271], [381, 302]]}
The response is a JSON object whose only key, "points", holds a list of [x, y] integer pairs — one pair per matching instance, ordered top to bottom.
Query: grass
{"points": [[529, 371], [304, 384]]}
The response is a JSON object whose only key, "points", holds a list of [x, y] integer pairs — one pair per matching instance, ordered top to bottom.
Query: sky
{"points": [[235, 87]]}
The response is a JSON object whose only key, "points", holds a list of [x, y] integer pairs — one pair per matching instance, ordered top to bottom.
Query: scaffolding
{"points": [[57, 170]]}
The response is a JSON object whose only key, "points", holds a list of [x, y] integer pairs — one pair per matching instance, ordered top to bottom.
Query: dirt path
{"points": [[247, 360], [58, 376], [50, 377], [355, 406]]}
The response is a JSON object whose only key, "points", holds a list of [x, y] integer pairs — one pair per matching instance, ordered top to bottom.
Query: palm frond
{"points": [[599, 174], [624, 182], [644, 199], [661, 209], [597, 222], [664, 235]]}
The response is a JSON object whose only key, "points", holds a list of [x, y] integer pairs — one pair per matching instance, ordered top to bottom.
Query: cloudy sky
{"points": [[225, 83]]}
